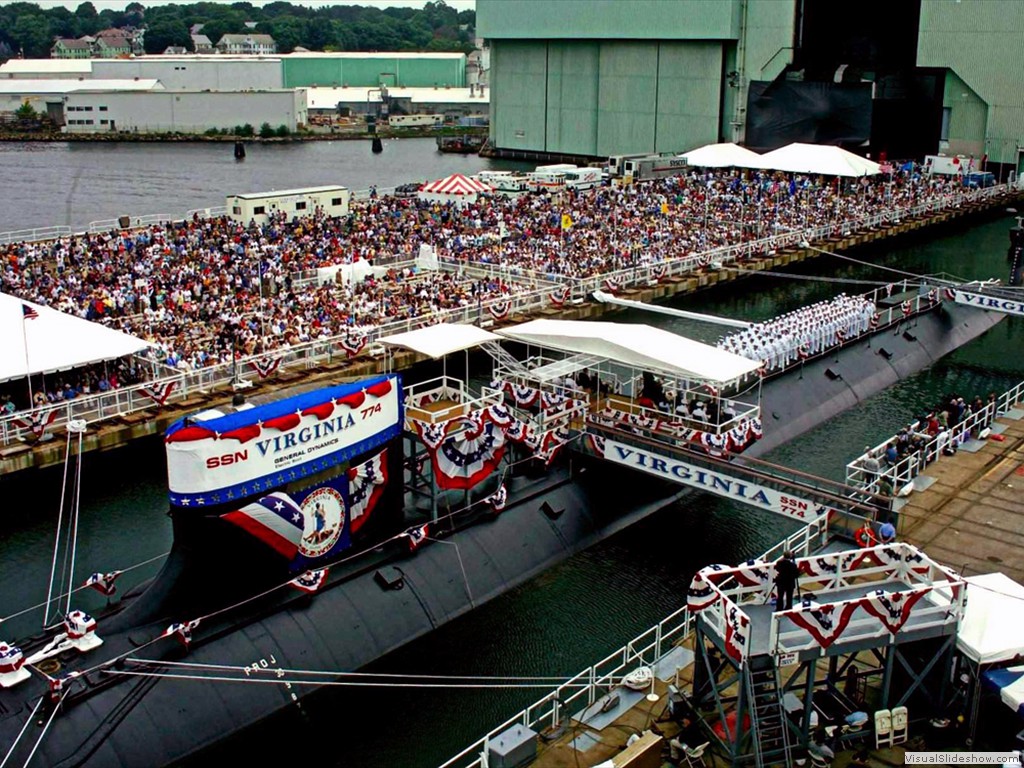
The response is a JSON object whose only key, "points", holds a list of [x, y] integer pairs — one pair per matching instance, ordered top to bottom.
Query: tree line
{"points": [[28, 30]]}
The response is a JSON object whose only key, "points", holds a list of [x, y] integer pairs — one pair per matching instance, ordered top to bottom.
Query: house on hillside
{"points": [[202, 44], [247, 44], [110, 47], [65, 48]]}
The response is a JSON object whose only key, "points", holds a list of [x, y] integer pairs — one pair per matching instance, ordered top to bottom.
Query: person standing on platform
{"points": [[887, 533], [786, 573]]}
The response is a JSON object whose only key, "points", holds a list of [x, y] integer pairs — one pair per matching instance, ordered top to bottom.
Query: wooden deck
{"points": [[972, 517]]}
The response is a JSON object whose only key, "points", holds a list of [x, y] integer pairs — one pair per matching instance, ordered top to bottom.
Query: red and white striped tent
{"points": [[456, 188]]}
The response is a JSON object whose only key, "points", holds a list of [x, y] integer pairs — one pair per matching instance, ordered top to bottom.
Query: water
{"points": [[74, 183], [559, 622]]}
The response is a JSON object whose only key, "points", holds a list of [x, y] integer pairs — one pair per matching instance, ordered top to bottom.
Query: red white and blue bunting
{"points": [[560, 296], [500, 310], [353, 345], [265, 366], [159, 393], [38, 423], [366, 483], [499, 499], [416, 536], [310, 581], [103, 582], [893, 608], [824, 622], [78, 624], [182, 631], [737, 632], [11, 658]]}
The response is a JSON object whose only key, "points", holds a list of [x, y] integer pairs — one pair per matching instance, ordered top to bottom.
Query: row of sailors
{"points": [[803, 332]]}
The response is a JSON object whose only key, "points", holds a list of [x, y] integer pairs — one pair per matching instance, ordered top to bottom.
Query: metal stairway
{"points": [[504, 358], [768, 721]]}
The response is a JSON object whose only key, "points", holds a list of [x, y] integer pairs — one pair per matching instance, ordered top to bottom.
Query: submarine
{"points": [[344, 571]]}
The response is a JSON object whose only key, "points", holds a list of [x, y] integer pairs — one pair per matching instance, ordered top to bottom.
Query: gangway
{"points": [[989, 295], [798, 495]]}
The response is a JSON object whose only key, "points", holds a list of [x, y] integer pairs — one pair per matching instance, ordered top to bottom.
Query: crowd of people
{"points": [[205, 290], [802, 333], [909, 448]]}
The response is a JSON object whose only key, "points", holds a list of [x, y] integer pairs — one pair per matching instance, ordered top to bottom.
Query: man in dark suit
{"points": [[786, 573]]}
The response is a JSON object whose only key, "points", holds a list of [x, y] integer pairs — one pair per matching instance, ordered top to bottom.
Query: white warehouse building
{"points": [[186, 72], [182, 111]]}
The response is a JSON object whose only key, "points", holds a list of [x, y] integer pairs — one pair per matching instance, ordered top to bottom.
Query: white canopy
{"points": [[722, 156], [817, 158], [439, 340], [56, 341], [639, 346], [990, 630]]}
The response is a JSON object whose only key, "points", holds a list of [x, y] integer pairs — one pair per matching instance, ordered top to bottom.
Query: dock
{"points": [[119, 426], [970, 516]]}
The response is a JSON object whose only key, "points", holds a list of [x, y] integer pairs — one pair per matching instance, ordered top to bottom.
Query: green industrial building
{"points": [[371, 70], [603, 77]]}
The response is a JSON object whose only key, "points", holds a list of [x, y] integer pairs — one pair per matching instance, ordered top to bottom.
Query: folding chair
{"points": [[900, 724], [883, 728], [695, 756]]}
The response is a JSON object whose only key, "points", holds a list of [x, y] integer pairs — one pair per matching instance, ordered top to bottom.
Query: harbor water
{"points": [[555, 624]]}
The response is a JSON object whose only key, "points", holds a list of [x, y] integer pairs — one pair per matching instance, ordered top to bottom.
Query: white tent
{"points": [[722, 156], [817, 159], [456, 188], [439, 340], [55, 341], [640, 346], [990, 630]]}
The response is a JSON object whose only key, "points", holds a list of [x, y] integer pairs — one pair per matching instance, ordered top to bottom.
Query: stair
{"points": [[504, 358], [768, 721]]}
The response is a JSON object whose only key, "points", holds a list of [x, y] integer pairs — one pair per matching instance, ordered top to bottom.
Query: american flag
{"points": [[28, 313], [276, 520], [103, 582]]}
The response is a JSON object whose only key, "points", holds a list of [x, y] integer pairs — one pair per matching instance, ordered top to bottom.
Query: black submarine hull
{"points": [[119, 720]]}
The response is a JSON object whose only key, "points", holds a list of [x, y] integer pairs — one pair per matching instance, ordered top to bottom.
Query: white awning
{"points": [[722, 156], [818, 159], [439, 340], [56, 341], [640, 346], [990, 630]]}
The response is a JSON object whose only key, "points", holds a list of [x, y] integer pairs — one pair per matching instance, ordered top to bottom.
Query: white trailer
{"points": [[415, 121], [949, 166], [654, 167], [260, 206]]}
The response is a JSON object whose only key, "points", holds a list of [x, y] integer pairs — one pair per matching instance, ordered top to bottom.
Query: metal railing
{"points": [[314, 352], [907, 468], [646, 649]]}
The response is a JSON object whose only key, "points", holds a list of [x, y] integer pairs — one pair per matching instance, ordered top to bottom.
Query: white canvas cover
{"points": [[726, 155], [818, 159], [439, 340], [56, 341], [640, 346], [991, 629]]}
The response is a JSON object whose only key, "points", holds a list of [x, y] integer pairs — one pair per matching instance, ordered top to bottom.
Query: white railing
{"points": [[33, 235], [318, 351], [443, 388], [906, 469], [646, 649]]}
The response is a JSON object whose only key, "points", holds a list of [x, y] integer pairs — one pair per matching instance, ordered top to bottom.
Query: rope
{"points": [[868, 263], [810, 278], [74, 534], [56, 543], [62, 595], [363, 675], [336, 683], [46, 727], [21, 733]]}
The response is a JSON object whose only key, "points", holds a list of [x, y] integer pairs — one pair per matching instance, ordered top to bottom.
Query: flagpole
{"points": [[28, 369]]}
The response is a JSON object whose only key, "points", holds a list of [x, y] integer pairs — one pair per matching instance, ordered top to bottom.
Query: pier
{"points": [[116, 418], [962, 510]]}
